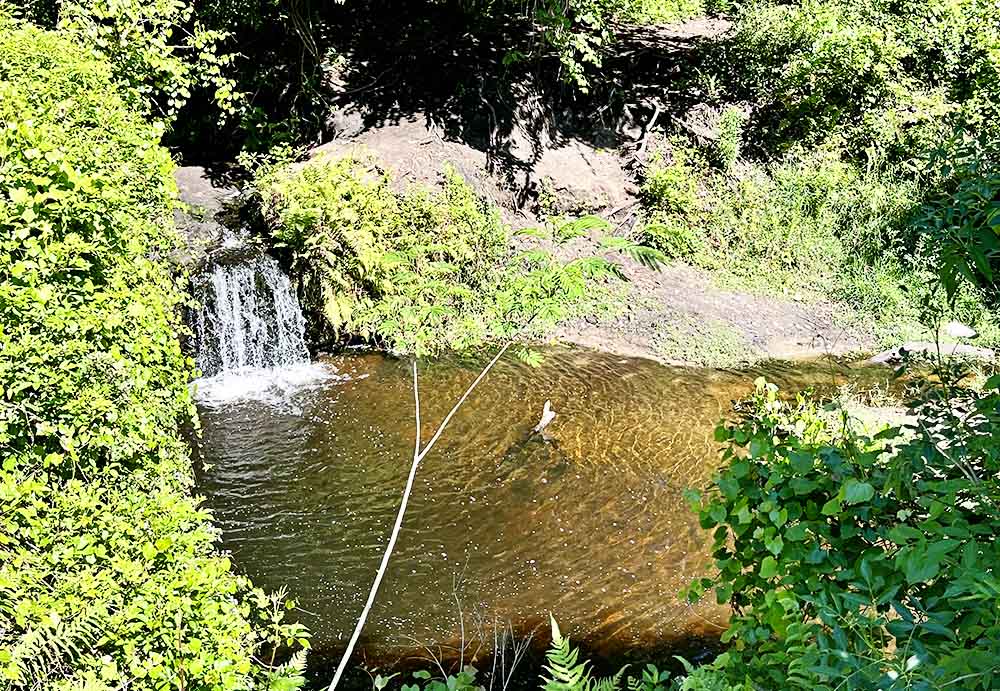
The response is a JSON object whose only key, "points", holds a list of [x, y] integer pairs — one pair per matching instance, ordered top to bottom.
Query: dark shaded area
{"points": [[487, 80], [524, 677]]}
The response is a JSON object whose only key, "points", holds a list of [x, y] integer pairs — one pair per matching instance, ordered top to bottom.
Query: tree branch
{"points": [[418, 455]]}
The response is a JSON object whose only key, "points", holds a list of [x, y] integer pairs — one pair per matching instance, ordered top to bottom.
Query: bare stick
{"points": [[447, 418], [418, 456]]}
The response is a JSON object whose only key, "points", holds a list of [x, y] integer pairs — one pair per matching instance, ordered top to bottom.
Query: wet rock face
{"points": [[199, 219]]}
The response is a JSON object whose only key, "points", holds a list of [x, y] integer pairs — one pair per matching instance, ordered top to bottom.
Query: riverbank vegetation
{"points": [[851, 130], [854, 157], [417, 270], [108, 571]]}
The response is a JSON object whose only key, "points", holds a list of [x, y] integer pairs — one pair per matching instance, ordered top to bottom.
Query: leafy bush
{"points": [[157, 49], [885, 76], [730, 140], [673, 199], [961, 218], [801, 224], [416, 270], [853, 562], [108, 572]]}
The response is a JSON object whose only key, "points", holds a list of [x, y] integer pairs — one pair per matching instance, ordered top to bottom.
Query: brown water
{"points": [[588, 524]]}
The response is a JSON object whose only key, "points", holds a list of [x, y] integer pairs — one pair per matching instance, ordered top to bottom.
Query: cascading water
{"points": [[250, 318], [249, 332]]}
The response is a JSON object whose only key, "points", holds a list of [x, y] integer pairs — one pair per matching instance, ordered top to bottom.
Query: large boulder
{"points": [[531, 175], [204, 202]]}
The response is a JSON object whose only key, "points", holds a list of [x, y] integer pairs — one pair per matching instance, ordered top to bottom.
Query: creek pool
{"points": [[587, 523]]}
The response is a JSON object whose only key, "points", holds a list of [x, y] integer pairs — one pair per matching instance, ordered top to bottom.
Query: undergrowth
{"points": [[860, 165], [811, 225], [418, 270], [109, 576]]}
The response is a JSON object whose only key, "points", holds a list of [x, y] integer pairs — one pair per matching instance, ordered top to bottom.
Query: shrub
{"points": [[157, 49], [820, 62], [885, 76], [730, 142], [673, 199], [961, 218], [417, 270], [853, 562], [108, 572]]}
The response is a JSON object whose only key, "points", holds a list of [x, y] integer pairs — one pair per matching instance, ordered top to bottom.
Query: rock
{"points": [[544, 172], [577, 178], [198, 190], [197, 220], [959, 330], [926, 348]]}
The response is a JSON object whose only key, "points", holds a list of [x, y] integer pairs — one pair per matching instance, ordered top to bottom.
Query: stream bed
{"points": [[587, 523]]}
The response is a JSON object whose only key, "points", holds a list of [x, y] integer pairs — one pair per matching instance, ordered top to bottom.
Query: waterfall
{"points": [[249, 318]]}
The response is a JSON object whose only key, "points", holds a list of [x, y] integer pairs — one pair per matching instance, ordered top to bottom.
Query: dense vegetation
{"points": [[855, 144], [854, 156], [416, 270], [854, 562], [108, 570]]}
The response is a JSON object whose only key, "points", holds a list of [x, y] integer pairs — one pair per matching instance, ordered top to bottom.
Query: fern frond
{"points": [[579, 227], [539, 233], [534, 256], [647, 256], [597, 267], [46, 651], [568, 673], [612, 683]]}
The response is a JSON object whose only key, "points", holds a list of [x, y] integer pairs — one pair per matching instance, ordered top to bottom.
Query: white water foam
{"points": [[250, 333], [275, 386]]}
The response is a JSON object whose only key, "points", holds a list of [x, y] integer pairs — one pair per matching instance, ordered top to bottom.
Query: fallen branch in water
{"points": [[418, 455]]}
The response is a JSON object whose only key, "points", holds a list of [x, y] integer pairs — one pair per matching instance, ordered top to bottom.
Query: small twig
{"points": [[646, 132]]}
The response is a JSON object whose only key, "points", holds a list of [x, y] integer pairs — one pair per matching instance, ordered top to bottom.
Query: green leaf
{"points": [[856, 492], [768, 567]]}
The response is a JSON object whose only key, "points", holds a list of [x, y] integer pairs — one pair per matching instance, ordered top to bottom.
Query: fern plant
{"points": [[419, 270], [42, 654], [568, 673]]}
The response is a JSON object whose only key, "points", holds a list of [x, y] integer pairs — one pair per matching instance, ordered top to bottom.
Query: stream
{"points": [[303, 464], [587, 523]]}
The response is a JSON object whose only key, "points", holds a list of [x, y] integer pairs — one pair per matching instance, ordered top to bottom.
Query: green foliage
{"points": [[580, 30], [158, 50], [885, 75], [730, 140], [674, 203], [961, 219], [803, 223], [418, 271], [854, 562], [108, 572], [567, 672], [464, 680]]}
